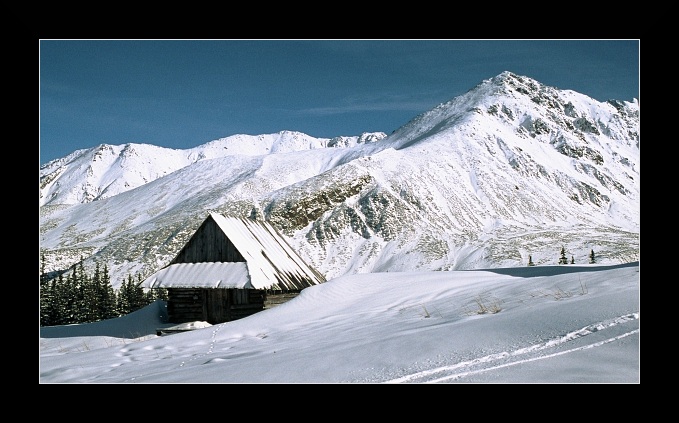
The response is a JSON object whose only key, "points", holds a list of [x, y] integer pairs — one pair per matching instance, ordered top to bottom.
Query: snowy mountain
{"points": [[107, 170], [508, 170]]}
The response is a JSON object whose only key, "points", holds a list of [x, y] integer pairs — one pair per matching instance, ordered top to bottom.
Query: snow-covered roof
{"points": [[271, 261], [201, 275]]}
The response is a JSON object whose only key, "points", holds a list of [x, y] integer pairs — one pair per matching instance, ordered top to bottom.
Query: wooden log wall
{"points": [[278, 298], [245, 302], [185, 305], [212, 305]]}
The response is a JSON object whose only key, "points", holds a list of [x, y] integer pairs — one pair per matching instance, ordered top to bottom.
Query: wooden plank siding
{"points": [[208, 244]]}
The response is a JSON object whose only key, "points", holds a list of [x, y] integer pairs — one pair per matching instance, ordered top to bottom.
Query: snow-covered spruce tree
{"points": [[592, 259]]}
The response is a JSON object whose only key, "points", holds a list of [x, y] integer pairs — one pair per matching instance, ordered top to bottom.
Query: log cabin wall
{"points": [[208, 244], [276, 298], [245, 302], [185, 305], [212, 305]]}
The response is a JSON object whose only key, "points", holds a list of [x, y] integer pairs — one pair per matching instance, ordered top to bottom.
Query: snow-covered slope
{"points": [[512, 169], [107, 170]]}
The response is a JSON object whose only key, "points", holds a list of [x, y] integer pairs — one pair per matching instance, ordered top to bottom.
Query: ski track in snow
{"points": [[466, 368]]}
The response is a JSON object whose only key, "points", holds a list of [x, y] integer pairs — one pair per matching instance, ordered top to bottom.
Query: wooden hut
{"points": [[224, 271]]}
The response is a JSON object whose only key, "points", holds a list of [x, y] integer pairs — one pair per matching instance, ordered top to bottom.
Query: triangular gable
{"points": [[208, 244]]}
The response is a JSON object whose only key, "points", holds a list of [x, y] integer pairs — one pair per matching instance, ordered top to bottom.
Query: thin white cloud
{"points": [[374, 104]]}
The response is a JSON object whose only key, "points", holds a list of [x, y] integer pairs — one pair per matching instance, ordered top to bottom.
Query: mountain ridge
{"points": [[139, 164], [509, 169]]}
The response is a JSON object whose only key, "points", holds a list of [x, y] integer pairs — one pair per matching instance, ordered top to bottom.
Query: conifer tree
{"points": [[563, 259], [592, 259], [572, 260], [84, 291], [71, 293], [155, 294], [160, 294], [45, 295], [124, 296], [131, 296], [149, 296], [90, 297], [139, 299], [107, 300], [58, 305], [45, 306]]}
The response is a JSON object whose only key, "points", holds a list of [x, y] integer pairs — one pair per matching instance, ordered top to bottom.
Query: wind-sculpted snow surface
{"points": [[509, 172], [542, 324], [547, 350]]}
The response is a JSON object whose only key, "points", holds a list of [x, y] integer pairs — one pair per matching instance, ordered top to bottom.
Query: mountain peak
{"points": [[508, 83], [515, 100]]}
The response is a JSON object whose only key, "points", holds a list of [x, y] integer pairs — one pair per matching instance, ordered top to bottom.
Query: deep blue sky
{"points": [[184, 93]]}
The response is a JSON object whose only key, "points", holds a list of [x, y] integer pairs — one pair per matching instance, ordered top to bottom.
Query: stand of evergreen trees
{"points": [[564, 260], [77, 297]]}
